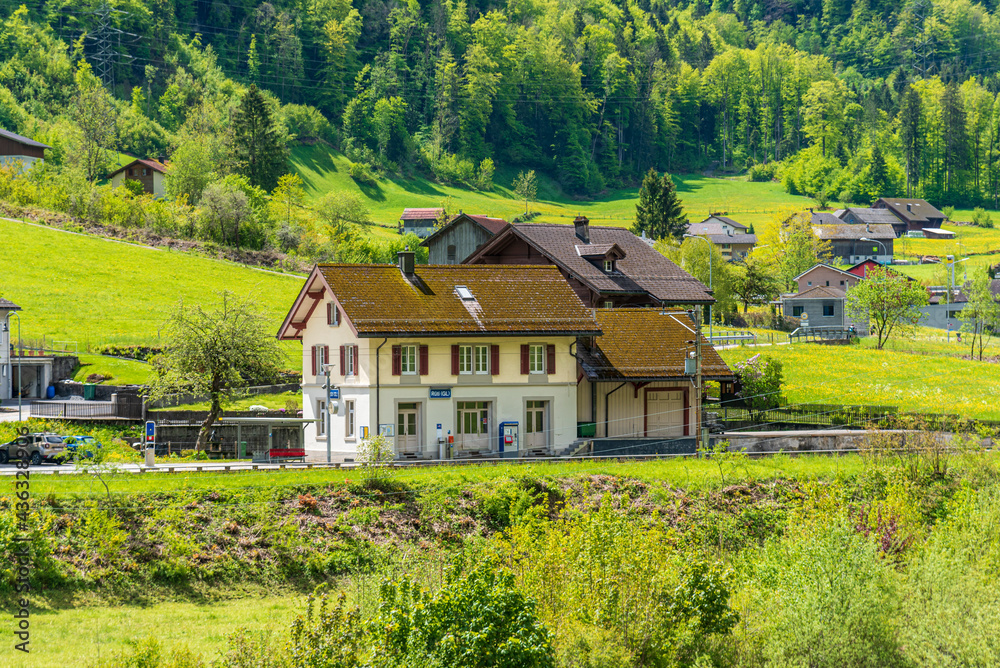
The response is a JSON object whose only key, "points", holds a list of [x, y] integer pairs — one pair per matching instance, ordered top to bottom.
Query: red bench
{"points": [[286, 454]]}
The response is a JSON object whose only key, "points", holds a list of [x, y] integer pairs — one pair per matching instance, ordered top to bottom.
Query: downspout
{"points": [[378, 385], [607, 421]]}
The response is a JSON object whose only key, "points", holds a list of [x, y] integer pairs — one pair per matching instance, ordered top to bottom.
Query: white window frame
{"points": [[609, 266], [609, 304], [331, 309], [481, 354], [466, 356], [536, 358], [408, 359], [321, 361], [350, 362], [321, 415], [349, 419]]}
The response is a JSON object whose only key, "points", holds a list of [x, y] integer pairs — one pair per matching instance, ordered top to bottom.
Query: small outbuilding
{"points": [[15, 149], [150, 173], [421, 222], [461, 237]]}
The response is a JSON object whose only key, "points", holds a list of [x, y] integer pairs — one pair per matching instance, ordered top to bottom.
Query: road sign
{"points": [[334, 393], [440, 393], [150, 432]]}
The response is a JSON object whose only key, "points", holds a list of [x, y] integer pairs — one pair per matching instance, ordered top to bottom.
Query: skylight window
{"points": [[464, 293]]}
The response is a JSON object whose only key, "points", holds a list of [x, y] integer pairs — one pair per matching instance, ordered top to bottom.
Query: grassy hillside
{"points": [[325, 171], [75, 288], [924, 381]]}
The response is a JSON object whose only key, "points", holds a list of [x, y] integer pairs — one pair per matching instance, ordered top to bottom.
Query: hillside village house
{"points": [[15, 149], [150, 173], [916, 214], [869, 216], [421, 222], [461, 237], [731, 237], [856, 243], [607, 267], [821, 297], [426, 353], [6, 371], [633, 382]]}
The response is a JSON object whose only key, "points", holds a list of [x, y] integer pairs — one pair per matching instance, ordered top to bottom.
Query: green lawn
{"points": [[324, 171], [87, 290], [121, 371], [928, 383], [275, 401], [85, 635]]}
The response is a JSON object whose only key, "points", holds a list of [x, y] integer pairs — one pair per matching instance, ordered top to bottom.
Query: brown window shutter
{"points": [[331, 314], [326, 357], [550, 359], [314, 360], [343, 360], [397, 360], [454, 360], [494, 360], [357, 362], [422, 362], [525, 367]]}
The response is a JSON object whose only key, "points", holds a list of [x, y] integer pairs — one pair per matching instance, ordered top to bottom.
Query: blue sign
{"points": [[335, 393], [440, 393], [150, 431]]}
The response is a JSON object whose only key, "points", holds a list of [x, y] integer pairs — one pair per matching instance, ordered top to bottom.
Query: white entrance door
{"points": [[664, 413], [535, 424], [473, 426], [407, 433]]}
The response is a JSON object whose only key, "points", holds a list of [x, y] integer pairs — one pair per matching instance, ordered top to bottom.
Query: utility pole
{"points": [[104, 38], [329, 409]]}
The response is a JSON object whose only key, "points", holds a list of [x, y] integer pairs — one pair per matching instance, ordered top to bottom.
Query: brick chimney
{"points": [[582, 226]]}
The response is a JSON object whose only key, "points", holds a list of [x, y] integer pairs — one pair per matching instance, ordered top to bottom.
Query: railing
{"points": [[821, 334], [735, 337], [80, 410], [833, 415]]}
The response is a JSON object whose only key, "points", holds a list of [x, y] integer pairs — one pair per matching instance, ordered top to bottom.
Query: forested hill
{"points": [[853, 99]]}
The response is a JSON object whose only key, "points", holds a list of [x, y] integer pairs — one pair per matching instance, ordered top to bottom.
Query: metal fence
{"points": [[125, 409], [825, 416]]}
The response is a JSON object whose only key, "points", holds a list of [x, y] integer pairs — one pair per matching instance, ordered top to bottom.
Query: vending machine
{"points": [[508, 437]]}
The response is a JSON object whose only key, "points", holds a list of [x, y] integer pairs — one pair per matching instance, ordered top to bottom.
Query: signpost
{"points": [[150, 443]]}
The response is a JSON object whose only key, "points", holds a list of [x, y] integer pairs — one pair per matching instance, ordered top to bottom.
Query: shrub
{"points": [[361, 172], [763, 172], [484, 177], [948, 211], [981, 218], [327, 636]]}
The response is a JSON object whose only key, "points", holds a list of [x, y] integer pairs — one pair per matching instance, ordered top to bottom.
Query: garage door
{"points": [[664, 413]]}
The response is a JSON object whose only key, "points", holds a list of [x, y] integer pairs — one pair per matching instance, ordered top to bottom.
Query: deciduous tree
{"points": [[888, 301], [981, 315], [214, 352]]}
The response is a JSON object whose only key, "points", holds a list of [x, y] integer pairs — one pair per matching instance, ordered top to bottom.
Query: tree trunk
{"points": [[213, 414]]}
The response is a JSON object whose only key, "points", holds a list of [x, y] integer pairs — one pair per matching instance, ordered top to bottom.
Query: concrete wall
{"points": [[826, 277], [941, 315]]}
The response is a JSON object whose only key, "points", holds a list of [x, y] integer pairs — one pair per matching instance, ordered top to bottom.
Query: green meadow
{"points": [[325, 171], [83, 291], [919, 379]]}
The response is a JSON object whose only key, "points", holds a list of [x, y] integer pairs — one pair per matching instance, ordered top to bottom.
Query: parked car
{"points": [[84, 446], [40, 447]]}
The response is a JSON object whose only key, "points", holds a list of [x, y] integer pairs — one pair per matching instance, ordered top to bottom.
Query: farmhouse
{"points": [[17, 149], [150, 173], [916, 214], [869, 216], [421, 222], [461, 237], [731, 237], [855, 243], [607, 267], [827, 276], [433, 355], [633, 382]]}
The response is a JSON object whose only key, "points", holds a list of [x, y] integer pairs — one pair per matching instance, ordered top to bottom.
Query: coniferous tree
{"points": [[909, 131], [955, 136], [257, 149], [878, 172], [659, 212]]}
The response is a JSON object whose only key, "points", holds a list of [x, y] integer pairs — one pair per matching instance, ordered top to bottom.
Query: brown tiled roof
{"points": [[155, 165], [920, 210], [422, 214], [491, 225], [494, 225], [847, 231], [642, 270], [818, 292], [379, 300], [8, 305], [645, 344]]}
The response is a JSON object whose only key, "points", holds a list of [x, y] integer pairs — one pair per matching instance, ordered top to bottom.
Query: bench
{"points": [[287, 454]]}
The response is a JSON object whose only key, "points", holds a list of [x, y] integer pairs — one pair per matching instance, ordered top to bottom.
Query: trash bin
{"points": [[89, 391], [51, 392], [586, 429], [243, 450], [150, 455]]}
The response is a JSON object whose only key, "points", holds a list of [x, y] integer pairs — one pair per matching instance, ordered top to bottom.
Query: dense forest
{"points": [[840, 99]]}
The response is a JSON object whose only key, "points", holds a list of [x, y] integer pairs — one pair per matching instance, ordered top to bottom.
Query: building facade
{"points": [[15, 149], [151, 174], [421, 222], [461, 237], [439, 359], [6, 369]]}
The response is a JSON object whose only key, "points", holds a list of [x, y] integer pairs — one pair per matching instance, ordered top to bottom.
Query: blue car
{"points": [[83, 446]]}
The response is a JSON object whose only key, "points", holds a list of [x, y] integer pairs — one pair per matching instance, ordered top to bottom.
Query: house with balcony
{"points": [[606, 267], [439, 358]]}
